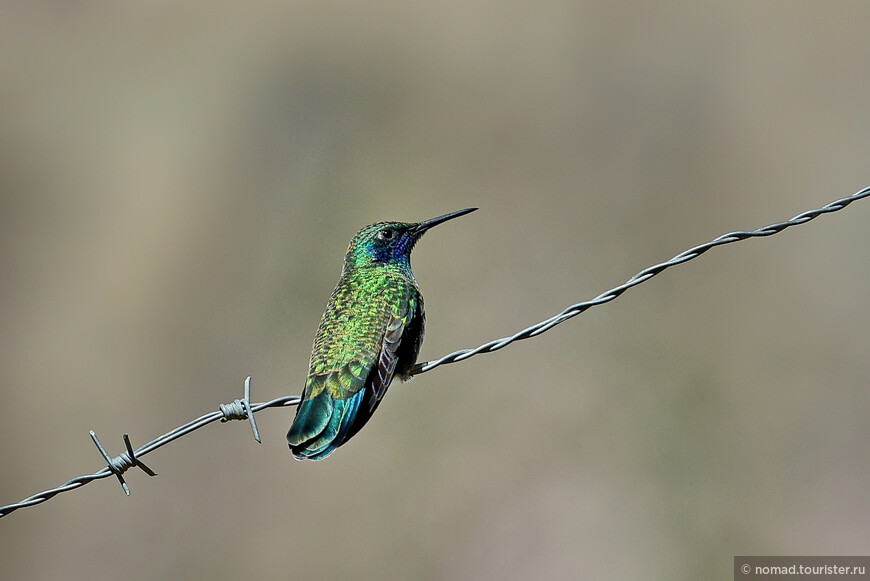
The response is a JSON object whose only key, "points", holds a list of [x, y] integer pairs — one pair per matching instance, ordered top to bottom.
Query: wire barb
{"points": [[241, 409], [120, 464]]}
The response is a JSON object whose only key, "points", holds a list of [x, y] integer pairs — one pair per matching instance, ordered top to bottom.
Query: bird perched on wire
{"points": [[370, 333]]}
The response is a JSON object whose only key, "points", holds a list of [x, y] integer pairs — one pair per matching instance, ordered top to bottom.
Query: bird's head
{"points": [[391, 242]]}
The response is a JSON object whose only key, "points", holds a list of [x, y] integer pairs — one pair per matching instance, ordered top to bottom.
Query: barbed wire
{"points": [[642, 276], [239, 409], [242, 409]]}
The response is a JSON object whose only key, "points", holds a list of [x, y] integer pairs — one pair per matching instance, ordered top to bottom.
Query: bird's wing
{"points": [[387, 359], [335, 405]]}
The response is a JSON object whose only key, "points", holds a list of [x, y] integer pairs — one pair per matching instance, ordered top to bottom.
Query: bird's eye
{"points": [[386, 234]]}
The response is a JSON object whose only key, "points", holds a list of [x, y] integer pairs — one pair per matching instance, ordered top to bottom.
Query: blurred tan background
{"points": [[179, 181]]}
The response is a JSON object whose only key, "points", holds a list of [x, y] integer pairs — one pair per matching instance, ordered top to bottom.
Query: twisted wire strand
{"points": [[642, 276], [243, 409], [116, 466]]}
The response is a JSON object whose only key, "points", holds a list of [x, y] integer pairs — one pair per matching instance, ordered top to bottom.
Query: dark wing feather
{"points": [[412, 338]]}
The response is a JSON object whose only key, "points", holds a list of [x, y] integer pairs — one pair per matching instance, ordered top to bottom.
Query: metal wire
{"points": [[642, 276], [242, 409], [238, 410]]}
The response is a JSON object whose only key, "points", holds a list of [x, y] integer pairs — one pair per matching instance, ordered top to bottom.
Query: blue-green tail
{"points": [[324, 423]]}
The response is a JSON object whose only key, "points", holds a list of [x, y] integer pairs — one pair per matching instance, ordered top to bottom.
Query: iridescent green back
{"points": [[351, 333]]}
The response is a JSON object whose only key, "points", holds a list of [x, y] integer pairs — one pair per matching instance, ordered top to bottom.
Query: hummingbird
{"points": [[370, 333]]}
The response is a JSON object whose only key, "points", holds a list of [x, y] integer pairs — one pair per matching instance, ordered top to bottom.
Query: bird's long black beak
{"points": [[423, 226]]}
